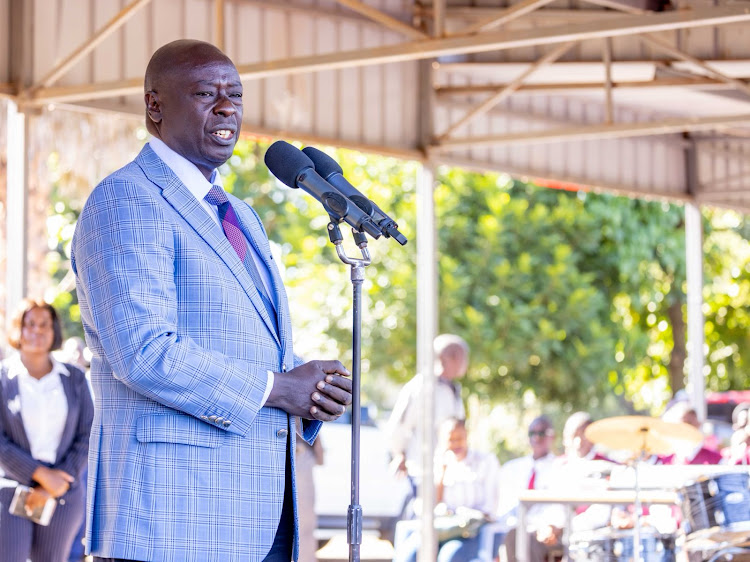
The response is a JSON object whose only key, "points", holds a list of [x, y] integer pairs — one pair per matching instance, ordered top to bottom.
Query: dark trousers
{"points": [[20, 539], [281, 549], [538, 551]]}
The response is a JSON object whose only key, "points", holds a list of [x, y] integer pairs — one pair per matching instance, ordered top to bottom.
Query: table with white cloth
{"points": [[572, 499]]}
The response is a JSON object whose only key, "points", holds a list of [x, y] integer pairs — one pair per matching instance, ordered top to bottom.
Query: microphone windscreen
{"points": [[286, 162], [324, 164]]}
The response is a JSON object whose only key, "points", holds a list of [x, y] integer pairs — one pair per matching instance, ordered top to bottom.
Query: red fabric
{"points": [[703, 456], [532, 478]]}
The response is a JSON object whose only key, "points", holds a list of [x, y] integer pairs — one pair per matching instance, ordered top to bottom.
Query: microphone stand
{"points": [[354, 513]]}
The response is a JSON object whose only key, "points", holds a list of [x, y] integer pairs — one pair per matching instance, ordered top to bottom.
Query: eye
{"points": [[204, 94], [237, 95]]}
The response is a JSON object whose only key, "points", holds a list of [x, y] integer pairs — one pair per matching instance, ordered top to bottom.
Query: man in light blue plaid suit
{"points": [[198, 392]]}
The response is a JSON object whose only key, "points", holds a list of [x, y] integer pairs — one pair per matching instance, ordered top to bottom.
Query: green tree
{"points": [[563, 295]]}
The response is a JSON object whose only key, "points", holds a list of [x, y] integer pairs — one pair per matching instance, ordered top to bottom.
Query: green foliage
{"points": [[60, 228], [727, 293], [567, 299]]}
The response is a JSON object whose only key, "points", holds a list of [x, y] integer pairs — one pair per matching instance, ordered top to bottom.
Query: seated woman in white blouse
{"points": [[45, 420]]}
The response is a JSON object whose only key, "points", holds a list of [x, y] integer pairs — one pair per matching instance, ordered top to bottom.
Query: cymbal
{"points": [[642, 434]]}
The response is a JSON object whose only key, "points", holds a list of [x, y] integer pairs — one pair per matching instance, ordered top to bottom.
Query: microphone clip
{"points": [[360, 239]]}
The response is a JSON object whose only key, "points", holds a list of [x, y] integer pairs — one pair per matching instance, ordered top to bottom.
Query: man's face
{"points": [[198, 111], [455, 363], [691, 418], [541, 437], [457, 442]]}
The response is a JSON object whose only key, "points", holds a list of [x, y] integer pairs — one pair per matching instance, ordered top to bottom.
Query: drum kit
{"points": [[715, 501]]}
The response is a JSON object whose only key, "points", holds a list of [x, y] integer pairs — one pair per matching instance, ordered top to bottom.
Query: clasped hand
{"points": [[318, 390], [54, 481]]}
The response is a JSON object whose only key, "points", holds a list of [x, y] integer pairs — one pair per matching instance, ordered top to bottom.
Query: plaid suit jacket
{"points": [[185, 464]]}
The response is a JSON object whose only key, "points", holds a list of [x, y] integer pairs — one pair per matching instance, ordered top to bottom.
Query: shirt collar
{"points": [[185, 170], [16, 367]]}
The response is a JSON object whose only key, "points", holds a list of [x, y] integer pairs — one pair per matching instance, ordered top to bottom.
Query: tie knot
{"points": [[216, 196]]}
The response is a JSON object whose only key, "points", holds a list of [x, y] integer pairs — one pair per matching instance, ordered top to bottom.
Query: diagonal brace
{"points": [[492, 101]]}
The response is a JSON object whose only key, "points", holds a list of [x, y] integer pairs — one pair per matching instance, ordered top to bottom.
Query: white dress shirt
{"points": [[199, 186], [44, 407], [403, 425], [514, 479], [471, 482]]}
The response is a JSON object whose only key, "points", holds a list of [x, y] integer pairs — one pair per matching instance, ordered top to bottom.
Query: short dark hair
{"points": [[16, 323], [544, 420]]}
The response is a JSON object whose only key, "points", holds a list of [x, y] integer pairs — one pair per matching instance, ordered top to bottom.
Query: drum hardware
{"points": [[643, 436], [716, 508], [608, 545], [732, 553]]}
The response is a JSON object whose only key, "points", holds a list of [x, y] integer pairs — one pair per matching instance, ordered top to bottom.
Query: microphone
{"points": [[296, 170], [330, 170]]}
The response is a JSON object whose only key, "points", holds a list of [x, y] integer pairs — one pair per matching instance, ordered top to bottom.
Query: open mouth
{"points": [[223, 134]]}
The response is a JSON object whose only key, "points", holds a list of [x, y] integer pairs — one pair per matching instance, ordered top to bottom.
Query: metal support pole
{"points": [[16, 210], [695, 320], [426, 332], [354, 513]]}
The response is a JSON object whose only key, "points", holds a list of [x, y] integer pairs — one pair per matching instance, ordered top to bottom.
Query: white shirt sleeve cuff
{"points": [[269, 386]]}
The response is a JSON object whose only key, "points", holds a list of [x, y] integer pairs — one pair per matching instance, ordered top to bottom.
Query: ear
{"points": [[153, 106]]}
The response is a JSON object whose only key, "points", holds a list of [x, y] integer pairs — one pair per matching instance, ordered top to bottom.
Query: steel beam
{"points": [[515, 11], [383, 19], [114, 24], [219, 24], [661, 45], [429, 48], [444, 92], [492, 101], [597, 132]]}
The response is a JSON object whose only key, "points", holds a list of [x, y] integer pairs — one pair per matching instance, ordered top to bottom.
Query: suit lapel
{"points": [[180, 198], [12, 403], [70, 421]]}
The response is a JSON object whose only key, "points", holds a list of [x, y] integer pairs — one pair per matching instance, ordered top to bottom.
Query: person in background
{"points": [[683, 412], [46, 413], [402, 428], [577, 445], [738, 451], [580, 464], [535, 471], [466, 483]]}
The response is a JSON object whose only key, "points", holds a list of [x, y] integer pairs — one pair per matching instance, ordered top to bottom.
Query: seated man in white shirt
{"points": [[532, 472]]}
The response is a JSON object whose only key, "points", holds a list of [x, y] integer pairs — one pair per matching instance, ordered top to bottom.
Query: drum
{"points": [[717, 507], [610, 545]]}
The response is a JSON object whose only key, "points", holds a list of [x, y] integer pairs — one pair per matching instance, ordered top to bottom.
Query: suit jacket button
{"points": [[212, 418], [227, 423], [282, 433]]}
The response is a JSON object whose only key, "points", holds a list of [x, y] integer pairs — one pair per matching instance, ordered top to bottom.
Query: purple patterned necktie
{"points": [[231, 225]]}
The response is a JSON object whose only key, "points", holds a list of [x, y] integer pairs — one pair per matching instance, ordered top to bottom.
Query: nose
{"points": [[224, 106]]}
